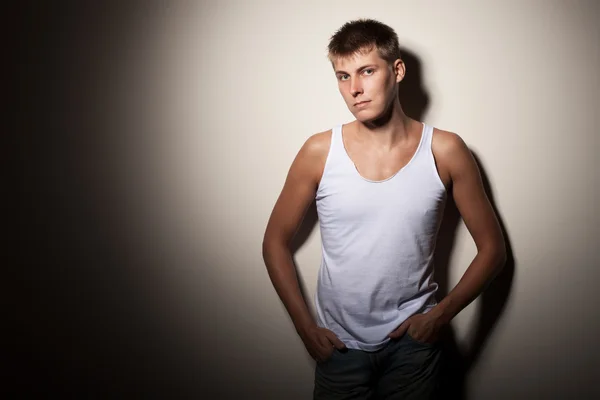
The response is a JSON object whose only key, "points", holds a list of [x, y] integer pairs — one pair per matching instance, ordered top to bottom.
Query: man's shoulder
{"points": [[447, 144], [317, 145], [452, 154], [310, 160]]}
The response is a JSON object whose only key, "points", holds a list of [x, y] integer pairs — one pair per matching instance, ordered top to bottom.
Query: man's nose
{"points": [[355, 87]]}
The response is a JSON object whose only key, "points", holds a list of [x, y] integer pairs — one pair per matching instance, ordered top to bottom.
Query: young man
{"points": [[380, 183]]}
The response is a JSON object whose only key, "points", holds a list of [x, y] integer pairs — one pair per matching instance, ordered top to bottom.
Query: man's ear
{"points": [[399, 69]]}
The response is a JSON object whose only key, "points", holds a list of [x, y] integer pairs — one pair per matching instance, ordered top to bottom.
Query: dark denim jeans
{"points": [[404, 369]]}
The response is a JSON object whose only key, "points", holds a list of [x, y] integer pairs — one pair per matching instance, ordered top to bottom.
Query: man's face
{"points": [[367, 83]]}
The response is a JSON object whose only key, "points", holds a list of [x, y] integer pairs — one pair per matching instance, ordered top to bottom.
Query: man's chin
{"points": [[365, 117], [371, 118]]}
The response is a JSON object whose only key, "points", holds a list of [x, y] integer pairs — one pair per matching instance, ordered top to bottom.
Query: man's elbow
{"points": [[271, 243], [267, 246], [494, 251], [498, 254]]}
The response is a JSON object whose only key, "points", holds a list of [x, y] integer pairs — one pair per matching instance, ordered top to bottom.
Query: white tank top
{"points": [[378, 239]]}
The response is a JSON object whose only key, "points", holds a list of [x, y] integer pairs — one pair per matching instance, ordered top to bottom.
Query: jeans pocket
{"points": [[413, 340], [329, 359]]}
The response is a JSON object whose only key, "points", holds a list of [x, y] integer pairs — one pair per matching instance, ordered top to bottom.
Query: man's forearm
{"points": [[484, 267], [281, 269]]}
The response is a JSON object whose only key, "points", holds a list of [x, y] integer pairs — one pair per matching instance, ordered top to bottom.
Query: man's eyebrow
{"points": [[358, 69]]}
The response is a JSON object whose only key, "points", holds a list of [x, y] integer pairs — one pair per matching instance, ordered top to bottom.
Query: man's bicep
{"points": [[298, 193], [470, 197]]}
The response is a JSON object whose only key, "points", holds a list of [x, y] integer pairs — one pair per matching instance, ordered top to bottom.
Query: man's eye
{"points": [[369, 71], [343, 77]]}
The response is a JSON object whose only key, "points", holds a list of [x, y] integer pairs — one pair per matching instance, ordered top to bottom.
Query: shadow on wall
{"points": [[414, 100], [492, 301]]}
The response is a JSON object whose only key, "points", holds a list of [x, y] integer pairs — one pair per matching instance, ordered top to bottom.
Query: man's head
{"points": [[365, 56]]}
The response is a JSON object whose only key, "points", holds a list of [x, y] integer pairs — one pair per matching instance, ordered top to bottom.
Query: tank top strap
{"points": [[428, 131], [336, 138], [425, 147], [337, 151]]}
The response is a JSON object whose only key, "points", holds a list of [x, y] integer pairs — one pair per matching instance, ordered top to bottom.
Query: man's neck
{"points": [[386, 132]]}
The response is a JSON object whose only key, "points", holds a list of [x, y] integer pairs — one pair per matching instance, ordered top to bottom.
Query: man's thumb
{"points": [[400, 330], [337, 343]]}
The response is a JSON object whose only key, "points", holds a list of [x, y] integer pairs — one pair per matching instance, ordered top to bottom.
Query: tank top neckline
{"points": [[347, 156]]}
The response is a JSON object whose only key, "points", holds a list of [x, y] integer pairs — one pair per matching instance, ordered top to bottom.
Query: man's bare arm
{"points": [[296, 196], [481, 221]]}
